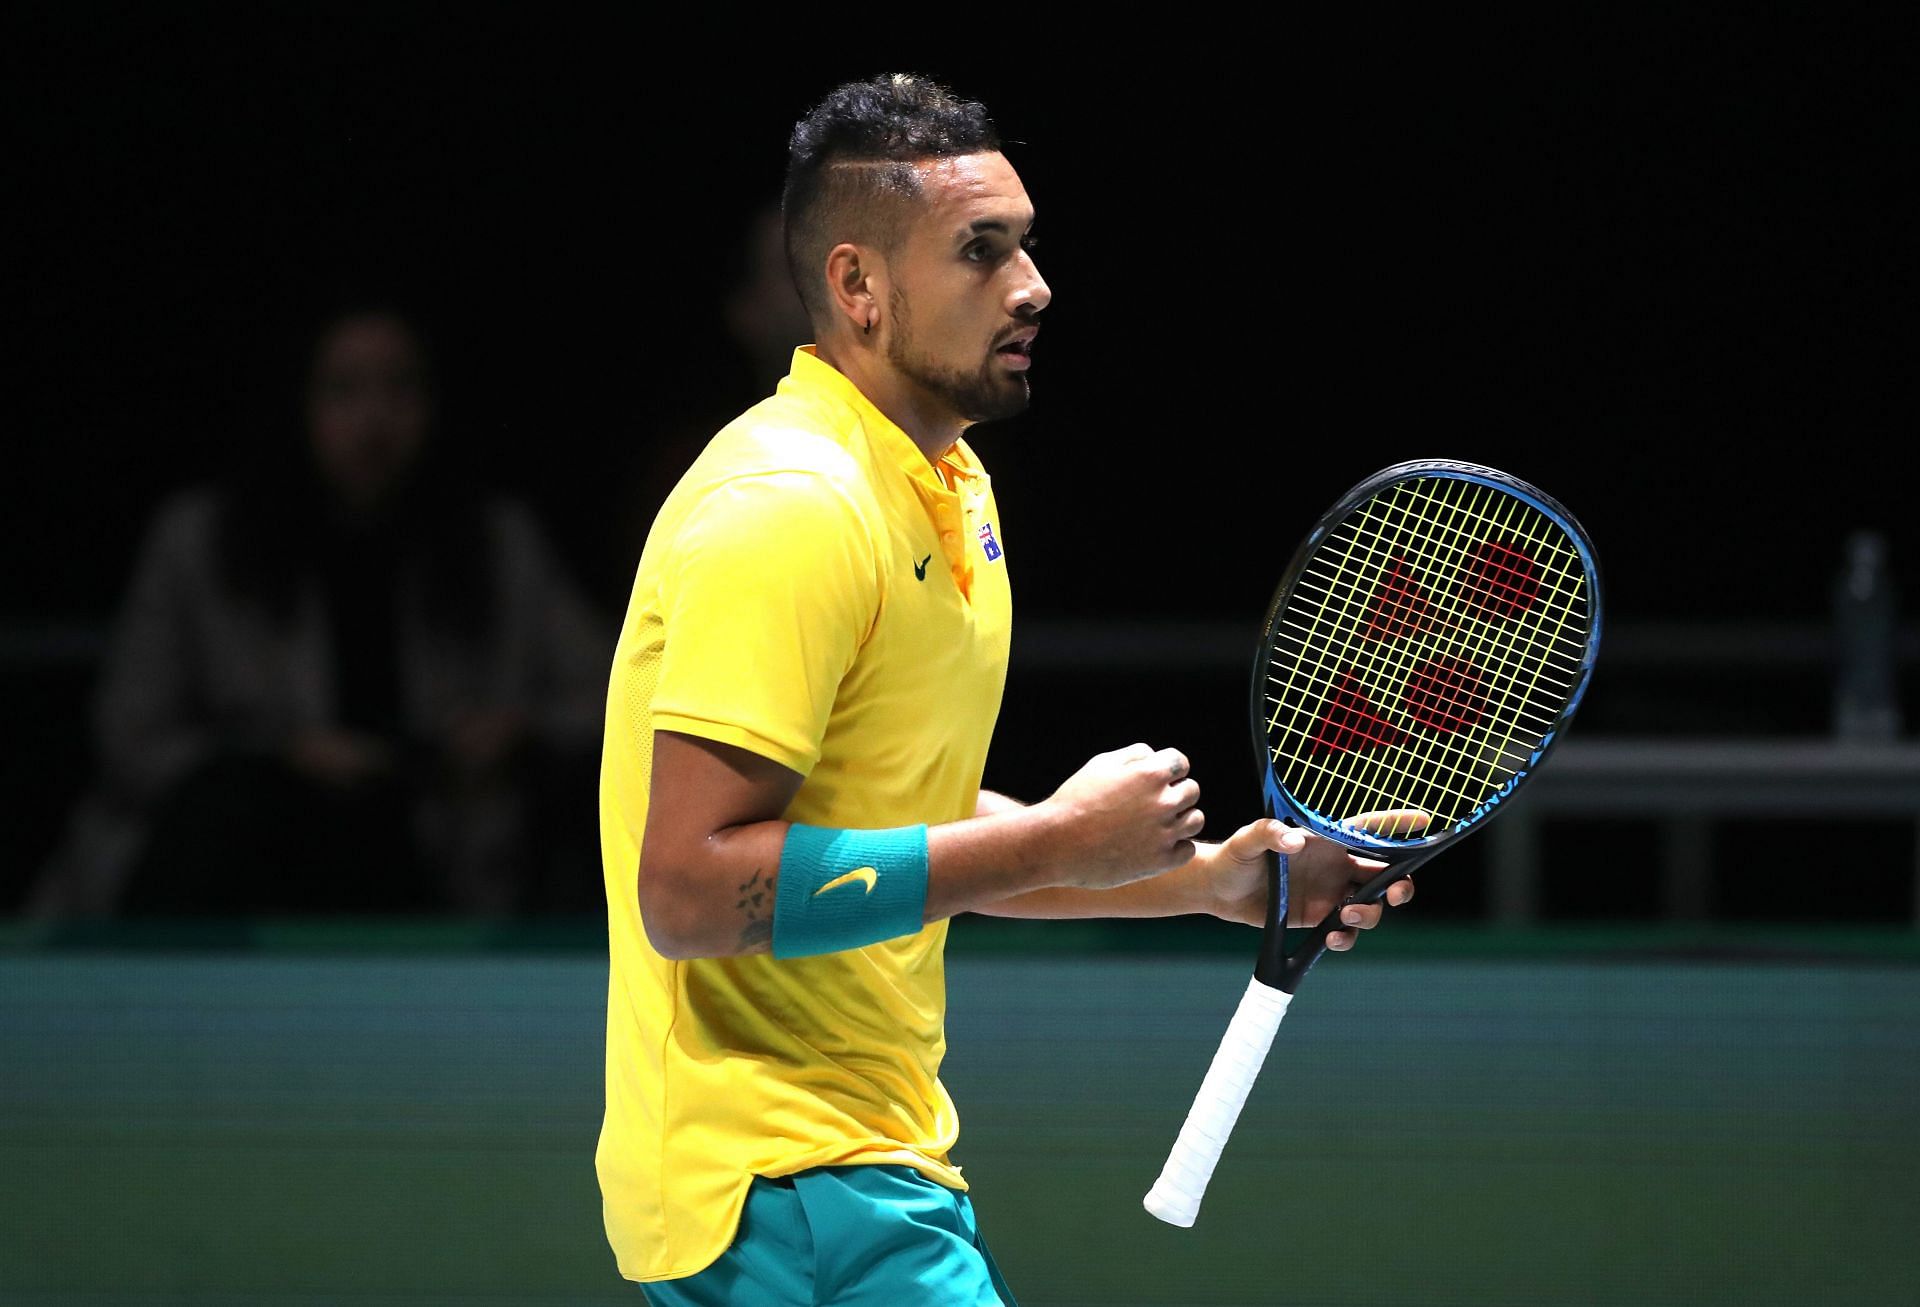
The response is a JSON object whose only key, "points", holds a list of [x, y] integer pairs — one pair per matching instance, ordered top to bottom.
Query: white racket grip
{"points": [[1175, 1196]]}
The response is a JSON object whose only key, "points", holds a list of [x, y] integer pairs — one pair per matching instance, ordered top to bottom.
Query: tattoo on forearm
{"points": [[756, 900]]}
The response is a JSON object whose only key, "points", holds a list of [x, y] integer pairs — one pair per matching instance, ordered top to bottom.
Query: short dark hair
{"points": [[850, 165]]}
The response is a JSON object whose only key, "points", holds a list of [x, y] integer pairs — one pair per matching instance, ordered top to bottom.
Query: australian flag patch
{"points": [[988, 543]]}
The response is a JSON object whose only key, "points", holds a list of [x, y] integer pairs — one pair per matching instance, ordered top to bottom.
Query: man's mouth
{"points": [[1017, 353]]}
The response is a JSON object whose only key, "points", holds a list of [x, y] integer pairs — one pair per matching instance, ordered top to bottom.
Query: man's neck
{"points": [[929, 424]]}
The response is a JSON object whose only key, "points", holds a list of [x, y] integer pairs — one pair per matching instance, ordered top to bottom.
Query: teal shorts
{"points": [[847, 1236]]}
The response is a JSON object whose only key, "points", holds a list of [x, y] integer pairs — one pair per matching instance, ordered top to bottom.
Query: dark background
{"points": [[1652, 261], [1658, 270]]}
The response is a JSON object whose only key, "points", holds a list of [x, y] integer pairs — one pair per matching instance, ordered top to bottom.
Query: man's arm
{"points": [[710, 857], [1225, 880], [1175, 894]]}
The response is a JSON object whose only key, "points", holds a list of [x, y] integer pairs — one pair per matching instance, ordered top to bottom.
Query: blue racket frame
{"points": [[1276, 967]]}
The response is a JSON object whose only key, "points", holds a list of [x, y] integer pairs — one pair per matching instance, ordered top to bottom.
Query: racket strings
{"points": [[1415, 528], [1399, 533], [1355, 583], [1467, 606], [1381, 632], [1440, 642], [1428, 647], [1448, 681], [1457, 687]]}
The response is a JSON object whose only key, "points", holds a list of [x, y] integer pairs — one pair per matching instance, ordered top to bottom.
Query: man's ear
{"points": [[856, 286]]}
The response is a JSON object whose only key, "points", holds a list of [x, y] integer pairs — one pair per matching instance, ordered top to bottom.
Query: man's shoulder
{"points": [[786, 434]]}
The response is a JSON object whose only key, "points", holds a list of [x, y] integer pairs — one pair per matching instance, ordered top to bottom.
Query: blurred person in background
{"points": [[343, 682]]}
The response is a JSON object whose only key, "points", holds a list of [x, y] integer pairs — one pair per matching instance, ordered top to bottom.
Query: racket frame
{"points": [[1276, 967], [1176, 1196]]}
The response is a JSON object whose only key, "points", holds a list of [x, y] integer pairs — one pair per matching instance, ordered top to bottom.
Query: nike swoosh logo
{"points": [[920, 568], [865, 875]]}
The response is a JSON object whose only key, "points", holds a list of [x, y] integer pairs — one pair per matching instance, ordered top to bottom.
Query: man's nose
{"points": [[1033, 295]]}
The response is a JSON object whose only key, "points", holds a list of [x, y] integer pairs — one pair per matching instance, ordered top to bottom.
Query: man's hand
{"points": [[1125, 815], [1320, 873]]}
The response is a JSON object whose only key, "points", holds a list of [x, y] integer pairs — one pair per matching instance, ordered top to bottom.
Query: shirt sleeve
{"points": [[771, 589]]}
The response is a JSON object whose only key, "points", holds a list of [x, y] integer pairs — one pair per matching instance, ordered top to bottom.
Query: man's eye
{"points": [[1029, 243], [975, 253]]}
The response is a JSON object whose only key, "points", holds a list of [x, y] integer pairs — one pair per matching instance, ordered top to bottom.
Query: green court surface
{"points": [[1537, 1125]]}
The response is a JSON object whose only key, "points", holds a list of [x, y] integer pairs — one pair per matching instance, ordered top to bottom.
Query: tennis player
{"points": [[790, 803]]}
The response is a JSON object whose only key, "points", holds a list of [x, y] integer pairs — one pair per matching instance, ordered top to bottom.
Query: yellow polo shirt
{"points": [[815, 591]]}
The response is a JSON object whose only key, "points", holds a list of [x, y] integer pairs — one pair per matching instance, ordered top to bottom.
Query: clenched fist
{"points": [[1124, 816]]}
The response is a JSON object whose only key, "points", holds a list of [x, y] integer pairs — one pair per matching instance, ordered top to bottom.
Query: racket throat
{"points": [[1271, 969], [1278, 969]]}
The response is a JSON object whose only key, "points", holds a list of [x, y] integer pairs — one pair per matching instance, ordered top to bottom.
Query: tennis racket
{"points": [[1428, 644]]}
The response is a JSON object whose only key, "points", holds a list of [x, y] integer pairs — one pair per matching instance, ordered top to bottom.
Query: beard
{"points": [[987, 393]]}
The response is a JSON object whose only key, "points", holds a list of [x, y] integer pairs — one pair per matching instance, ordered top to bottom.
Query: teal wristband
{"points": [[844, 889]]}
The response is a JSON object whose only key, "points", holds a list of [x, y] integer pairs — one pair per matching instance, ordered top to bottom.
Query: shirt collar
{"points": [[814, 377]]}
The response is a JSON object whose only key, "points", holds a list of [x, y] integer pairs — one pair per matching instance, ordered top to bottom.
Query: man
{"points": [[802, 698]]}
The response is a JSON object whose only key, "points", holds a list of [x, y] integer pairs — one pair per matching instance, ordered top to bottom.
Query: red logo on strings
{"points": [[1501, 580], [1400, 608], [1442, 694], [1445, 695], [1350, 722]]}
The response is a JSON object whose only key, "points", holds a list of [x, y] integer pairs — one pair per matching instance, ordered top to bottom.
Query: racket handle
{"points": [[1175, 1196]]}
